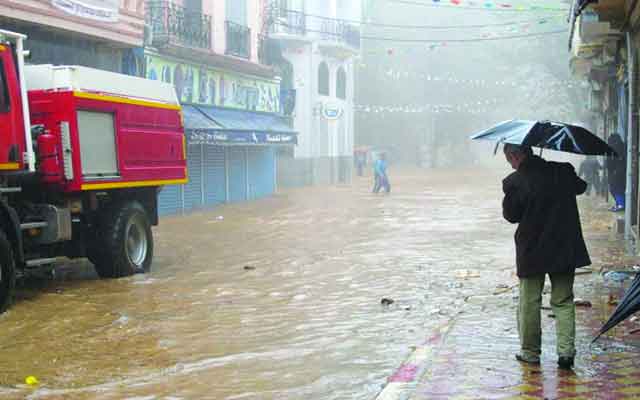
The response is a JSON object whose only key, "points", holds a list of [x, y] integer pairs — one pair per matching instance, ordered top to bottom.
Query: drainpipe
{"points": [[632, 141]]}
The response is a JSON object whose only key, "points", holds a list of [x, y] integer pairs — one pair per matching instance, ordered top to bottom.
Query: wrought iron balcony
{"points": [[289, 22], [173, 24], [340, 31], [238, 40]]}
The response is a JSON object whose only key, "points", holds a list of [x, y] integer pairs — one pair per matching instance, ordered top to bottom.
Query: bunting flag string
{"points": [[484, 5], [397, 75], [473, 107]]}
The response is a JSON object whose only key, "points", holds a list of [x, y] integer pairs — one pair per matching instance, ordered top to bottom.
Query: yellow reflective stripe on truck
{"points": [[124, 100], [8, 166], [120, 185]]}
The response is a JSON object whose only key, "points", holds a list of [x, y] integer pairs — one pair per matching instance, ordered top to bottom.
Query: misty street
{"points": [[319, 199], [274, 299]]}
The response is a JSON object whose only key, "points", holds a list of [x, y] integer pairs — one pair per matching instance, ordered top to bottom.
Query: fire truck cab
{"points": [[83, 155]]}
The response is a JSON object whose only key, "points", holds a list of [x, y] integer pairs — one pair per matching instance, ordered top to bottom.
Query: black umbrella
{"points": [[547, 135], [628, 306]]}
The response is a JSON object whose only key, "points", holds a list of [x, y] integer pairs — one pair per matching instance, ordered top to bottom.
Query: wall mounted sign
{"points": [[98, 10], [200, 84], [332, 111]]}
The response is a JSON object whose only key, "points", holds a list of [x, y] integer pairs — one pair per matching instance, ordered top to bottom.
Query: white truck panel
{"points": [[77, 78]]}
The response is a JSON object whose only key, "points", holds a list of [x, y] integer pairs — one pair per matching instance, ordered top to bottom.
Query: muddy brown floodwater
{"points": [[274, 299]]}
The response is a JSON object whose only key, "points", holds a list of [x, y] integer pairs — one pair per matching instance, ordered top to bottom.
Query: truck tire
{"points": [[129, 242], [7, 273]]}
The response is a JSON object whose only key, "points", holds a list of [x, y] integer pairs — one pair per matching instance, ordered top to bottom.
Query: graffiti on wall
{"points": [[201, 85]]}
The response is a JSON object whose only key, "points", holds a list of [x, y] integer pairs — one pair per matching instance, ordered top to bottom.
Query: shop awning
{"points": [[196, 120], [214, 125]]}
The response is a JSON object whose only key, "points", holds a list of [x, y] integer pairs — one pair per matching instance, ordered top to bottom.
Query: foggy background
{"points": [[421, 101]]}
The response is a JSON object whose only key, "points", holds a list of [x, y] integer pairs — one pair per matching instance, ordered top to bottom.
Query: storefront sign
{"points": [[99, 10], [196, 84], [332, 111], [239, 137]]}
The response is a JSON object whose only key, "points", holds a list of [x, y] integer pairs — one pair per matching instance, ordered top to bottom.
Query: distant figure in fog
{"points": [[361, 161], [590, 172], [617, 172], [381, 180]]}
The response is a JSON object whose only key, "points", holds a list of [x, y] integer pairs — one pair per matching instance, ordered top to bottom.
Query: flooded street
{"points": [[276, 299]]}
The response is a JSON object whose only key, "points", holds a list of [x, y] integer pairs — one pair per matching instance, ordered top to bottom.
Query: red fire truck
{"points": [[83, 155]]}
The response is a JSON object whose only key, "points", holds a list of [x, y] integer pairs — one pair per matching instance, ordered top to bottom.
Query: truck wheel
{"points": [[129, 243], [7, 273]]}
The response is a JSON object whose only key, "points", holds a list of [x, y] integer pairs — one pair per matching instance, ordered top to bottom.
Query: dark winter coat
{"points": [[617, 166], [541, 197]]}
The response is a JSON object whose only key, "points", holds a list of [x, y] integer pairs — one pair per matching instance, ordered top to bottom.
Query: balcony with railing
{"points": [[288, 23], [171, 24], [340, 32], [334, 34], [238, 40]]}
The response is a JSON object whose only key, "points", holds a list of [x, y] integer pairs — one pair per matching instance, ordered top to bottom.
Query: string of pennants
{"points": [[489, 5], [437, 43], [398, 75], [473, 108]]}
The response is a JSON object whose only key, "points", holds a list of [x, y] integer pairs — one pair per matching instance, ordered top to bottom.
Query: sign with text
{"points": [[98, 10], [200, 84]]}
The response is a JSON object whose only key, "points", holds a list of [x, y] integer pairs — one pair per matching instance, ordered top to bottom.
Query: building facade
{"points": [[102, 34], [318, 42], [604, 48], [209, 50], [231, 99]]}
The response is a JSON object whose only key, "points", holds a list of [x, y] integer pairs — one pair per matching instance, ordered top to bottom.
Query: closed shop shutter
{"points": [[261, 172], [237, 174], [215, 182], [193, 189], [169, 200]]}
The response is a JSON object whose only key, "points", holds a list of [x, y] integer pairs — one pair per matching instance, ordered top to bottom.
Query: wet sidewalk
{"points": [[472, 356]]}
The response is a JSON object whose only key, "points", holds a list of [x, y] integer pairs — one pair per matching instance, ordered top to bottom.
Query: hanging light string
{"points": [[477, 5], [442, 27], [400, 40]]}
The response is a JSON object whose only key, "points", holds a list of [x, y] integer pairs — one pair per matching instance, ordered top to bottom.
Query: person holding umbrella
{"points": [[540, 197]]}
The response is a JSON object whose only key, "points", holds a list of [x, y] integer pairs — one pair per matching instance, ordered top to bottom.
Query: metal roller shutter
{"points": [[261, 172], [237, 174], [215, 182], [193, 189], [169, 200]]}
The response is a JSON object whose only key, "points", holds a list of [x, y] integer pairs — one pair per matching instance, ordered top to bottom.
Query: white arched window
{"points": [[323, 79], [341, 84]]}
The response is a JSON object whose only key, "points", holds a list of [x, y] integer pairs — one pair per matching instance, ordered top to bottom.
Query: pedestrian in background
{"points": [[361, 161], [590, 172], [617, 172], [381, 180], [540, 197]]}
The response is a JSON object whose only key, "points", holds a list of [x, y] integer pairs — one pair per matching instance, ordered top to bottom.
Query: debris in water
{"points": [[220, 218], [249, 268], [466, 274], [615, 276], [386, 301], [582, 303], [31, 380]]}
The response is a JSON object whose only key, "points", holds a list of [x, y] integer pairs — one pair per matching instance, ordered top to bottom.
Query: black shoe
{"points": [[528, 360], [565, 362]]}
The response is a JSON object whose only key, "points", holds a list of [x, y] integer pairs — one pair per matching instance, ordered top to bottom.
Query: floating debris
{"points": [[386, 301], [582, 303], [31, 380]]}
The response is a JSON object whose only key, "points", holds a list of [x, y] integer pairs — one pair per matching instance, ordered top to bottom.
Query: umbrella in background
{"points": [[547, 135], [628, 306]]}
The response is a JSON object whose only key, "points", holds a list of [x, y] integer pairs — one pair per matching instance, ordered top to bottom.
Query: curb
{"points": [[408, 375]]}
